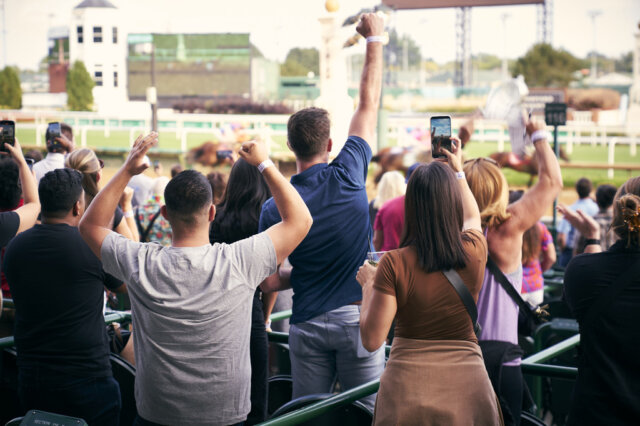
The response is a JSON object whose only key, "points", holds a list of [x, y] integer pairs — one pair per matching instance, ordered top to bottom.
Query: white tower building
{"points": [[97, 39]]}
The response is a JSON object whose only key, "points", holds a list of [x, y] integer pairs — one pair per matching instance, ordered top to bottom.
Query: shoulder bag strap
{"points": [[144, 235], [508, 287], [607, 296], [467, 300]]}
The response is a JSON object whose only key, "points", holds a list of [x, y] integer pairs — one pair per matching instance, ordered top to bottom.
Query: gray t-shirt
{"points": [[191, 312]]}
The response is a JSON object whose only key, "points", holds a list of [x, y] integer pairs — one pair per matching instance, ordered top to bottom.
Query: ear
{"points": [[289, 145], [329, 145], [98, 175], [76, 210], [163, 211], [212, 212]]}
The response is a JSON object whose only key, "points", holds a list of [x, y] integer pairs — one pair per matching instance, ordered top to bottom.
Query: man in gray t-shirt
{"points": [[191, 302]]}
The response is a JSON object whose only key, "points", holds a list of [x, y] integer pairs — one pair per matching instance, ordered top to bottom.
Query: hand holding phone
{"points": [[53, 133], [7, 134], [440, 135]]}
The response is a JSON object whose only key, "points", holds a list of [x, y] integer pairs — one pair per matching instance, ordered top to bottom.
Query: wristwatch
{"points": [[590, 241]]}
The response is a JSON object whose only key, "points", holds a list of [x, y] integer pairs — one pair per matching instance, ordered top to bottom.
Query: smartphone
{"points": [[53, 132], [8, 134], [440, 135], [223, 153], [30, 162]]}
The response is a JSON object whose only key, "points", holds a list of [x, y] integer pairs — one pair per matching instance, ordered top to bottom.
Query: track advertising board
{"points": [[190, 65]]}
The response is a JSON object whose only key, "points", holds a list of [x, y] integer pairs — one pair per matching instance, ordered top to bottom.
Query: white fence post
{"points": [[83, 137], [183, 141], [632, 145], [612, 151]]}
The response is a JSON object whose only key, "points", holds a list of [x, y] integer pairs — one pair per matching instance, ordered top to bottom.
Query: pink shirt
{"points": [[390, 220]]}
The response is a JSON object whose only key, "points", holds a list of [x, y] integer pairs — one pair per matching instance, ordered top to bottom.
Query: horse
{"points": [[212, 153]]}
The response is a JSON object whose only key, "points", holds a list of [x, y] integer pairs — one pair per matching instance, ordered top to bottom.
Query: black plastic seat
{"points": [[125, 375], [280, 391], [355, 414], [528, 419]]}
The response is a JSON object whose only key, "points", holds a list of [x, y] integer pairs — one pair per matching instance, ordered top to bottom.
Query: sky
{"points": [[278, 25]]}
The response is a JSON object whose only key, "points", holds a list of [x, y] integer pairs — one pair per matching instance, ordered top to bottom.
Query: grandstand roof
{"points": [[94, 3]]}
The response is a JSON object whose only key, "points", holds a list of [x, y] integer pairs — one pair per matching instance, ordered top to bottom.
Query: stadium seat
{"points": [[279, 361], [125, 375], [280, 390], [353, 414], [36, 417], [528, 419]]}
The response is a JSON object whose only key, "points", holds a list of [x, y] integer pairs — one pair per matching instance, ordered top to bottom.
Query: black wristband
{"points": [[590, 241]]}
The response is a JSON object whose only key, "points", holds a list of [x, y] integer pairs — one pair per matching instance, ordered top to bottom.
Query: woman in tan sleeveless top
{"points": [[435, 373]]}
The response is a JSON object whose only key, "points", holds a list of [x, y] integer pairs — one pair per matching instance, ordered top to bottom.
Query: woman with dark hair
{"points": [[236, 219], [504, 225], [603, 292], [435, 373]]}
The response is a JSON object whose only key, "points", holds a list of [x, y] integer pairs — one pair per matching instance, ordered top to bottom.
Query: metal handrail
{"points": [[8, 303], [282, 315], [553, 351], [314, 410]]}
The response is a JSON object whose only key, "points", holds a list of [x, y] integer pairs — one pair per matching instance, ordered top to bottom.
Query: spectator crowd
{"points": [[202, 259]]}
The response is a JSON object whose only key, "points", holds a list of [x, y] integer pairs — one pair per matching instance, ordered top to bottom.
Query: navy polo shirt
{"points": [[326, 262]]}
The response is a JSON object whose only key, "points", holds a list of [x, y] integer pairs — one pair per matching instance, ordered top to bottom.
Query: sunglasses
{"points": [[487, 159], [101, 163]]}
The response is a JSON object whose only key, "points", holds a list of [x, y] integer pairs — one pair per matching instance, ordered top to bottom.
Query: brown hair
{"points": [[308, 132], [85, 161], [218, 182], [490, 189], [626, 212], [434, 218], [531, 244]]}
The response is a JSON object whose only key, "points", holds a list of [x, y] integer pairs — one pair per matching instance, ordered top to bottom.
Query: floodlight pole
{"points": [[594, 66], [154, 104]]}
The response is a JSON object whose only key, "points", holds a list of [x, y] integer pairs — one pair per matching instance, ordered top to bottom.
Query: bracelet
{"points": [[376, 39], [539, 135], [266, 163], [460, 175], [128, 213], [591, 241], [267, 324]]}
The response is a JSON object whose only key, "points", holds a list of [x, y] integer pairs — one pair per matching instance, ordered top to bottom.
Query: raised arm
{"points": [[363, 123], [535, 202], [469, 205], [28, 213], [296, 219], [585, 224], [94, 225]]}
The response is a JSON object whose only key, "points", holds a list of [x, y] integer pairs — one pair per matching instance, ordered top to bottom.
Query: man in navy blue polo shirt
{"points": [[324, 338]]}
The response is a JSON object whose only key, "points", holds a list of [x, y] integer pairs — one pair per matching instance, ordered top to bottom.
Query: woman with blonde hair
{"points": [[86, 162], [392, 184], [504, 225], [602, 290]]}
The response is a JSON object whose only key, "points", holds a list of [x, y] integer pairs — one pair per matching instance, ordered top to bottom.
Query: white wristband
{"points": [[376, 39], [539, 135], [266, 163], [460, 175], [128, 213]]}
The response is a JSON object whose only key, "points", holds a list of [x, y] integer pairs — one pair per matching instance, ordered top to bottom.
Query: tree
{"points": [[395, 50], [300, 61], [486, 61], [624, 63], [544, 66], [79, 88], [10, 91]]}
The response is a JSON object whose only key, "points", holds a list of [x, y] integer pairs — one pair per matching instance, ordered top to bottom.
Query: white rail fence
{"points": [[578, 132]]}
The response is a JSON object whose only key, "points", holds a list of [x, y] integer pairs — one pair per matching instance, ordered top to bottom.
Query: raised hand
{"points": [[370, 24], [15, 151], [253, 152], [454, 157], [135, 164], [584, 223]]}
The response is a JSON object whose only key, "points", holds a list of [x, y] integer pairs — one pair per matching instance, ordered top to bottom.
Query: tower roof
{"points": [[94, 3]]}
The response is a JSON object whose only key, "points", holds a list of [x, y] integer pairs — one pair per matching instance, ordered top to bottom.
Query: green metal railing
{"points": [[314, 410]]}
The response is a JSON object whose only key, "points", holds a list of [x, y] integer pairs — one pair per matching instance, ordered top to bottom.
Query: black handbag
{"points": [[529, 317]]}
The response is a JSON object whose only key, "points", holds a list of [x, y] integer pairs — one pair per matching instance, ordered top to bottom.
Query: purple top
{"points": [[497, 313]]}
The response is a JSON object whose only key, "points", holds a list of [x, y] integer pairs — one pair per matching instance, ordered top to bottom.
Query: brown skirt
{"points": [[436, 382]]}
